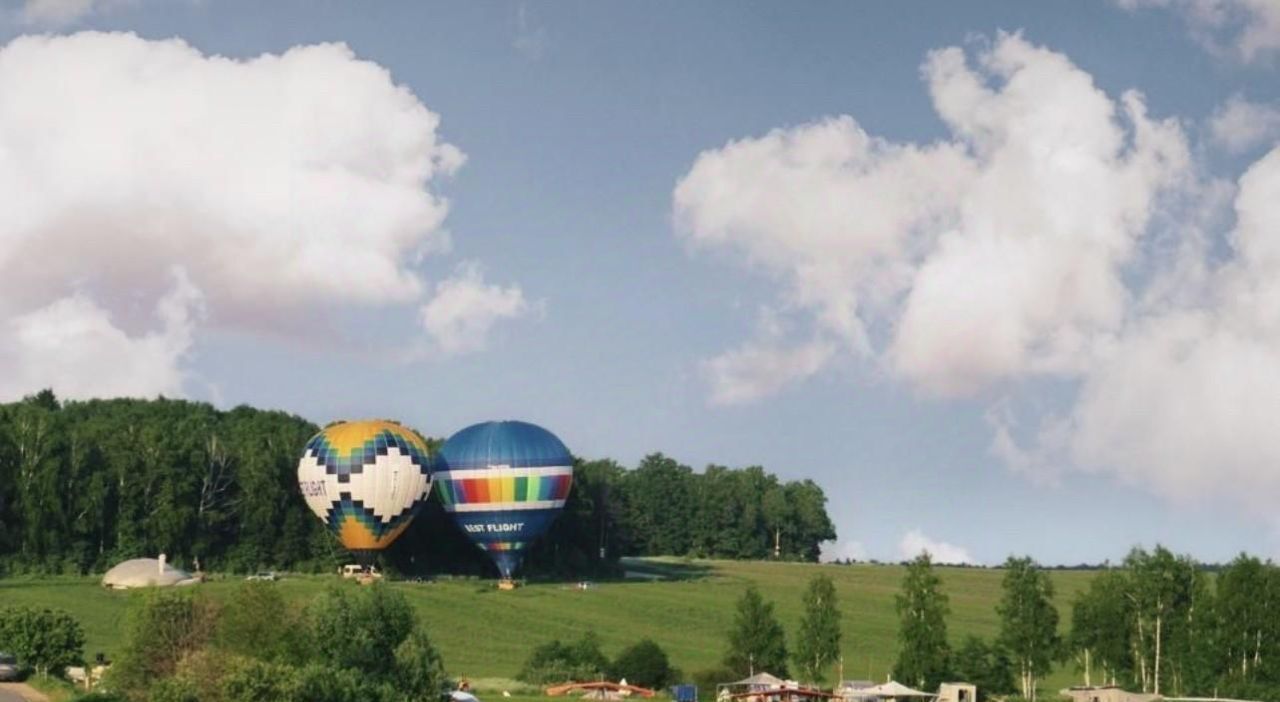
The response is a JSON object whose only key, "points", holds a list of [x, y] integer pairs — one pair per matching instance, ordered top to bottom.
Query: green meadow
{"points": [[486, 635]]}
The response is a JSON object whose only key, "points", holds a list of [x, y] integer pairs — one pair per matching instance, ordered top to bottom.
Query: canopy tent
{"points": [[757, 680], [760, 682], [892, 690], [786, 694]]}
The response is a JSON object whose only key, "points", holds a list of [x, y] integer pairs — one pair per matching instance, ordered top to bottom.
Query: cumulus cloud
{"points": [[1247, 29], [1240, 125], [284, 187], [995, 254], [464, 308], [1116, 309], [72, 344], [763, 365], [761, 368], [1180, 403], [914, 543]]}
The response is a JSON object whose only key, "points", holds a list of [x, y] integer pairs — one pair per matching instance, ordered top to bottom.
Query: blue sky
{"points": [[581, 291]]}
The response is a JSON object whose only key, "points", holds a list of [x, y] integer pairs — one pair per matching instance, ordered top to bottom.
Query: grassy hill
{"points": [[687, 608]]}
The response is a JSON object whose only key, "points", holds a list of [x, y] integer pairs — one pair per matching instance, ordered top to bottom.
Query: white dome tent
{"points": [[145, 572]]}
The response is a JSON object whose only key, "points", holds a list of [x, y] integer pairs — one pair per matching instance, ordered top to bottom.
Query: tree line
{"points": [[84, 485], [1156, 623]]}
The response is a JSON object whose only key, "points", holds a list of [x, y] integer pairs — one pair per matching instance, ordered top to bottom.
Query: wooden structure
{"points": [[600, 689]]}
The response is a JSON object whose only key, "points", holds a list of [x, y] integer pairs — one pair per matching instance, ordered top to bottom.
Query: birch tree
{"points": [[1028, 622], [818, 645], [924, 657]]}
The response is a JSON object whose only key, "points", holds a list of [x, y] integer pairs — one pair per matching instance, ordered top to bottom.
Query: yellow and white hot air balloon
{"points": [[366, 480]]}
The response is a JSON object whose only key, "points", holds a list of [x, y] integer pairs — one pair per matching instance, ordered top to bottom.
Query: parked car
{"points": [[269, 575], [9, 669]]}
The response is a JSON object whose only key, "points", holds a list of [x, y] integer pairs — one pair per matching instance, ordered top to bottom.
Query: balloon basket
{"points": [[506, 584]]}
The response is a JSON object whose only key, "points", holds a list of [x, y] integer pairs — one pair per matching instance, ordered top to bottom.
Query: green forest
{"points": [[84, 485]]}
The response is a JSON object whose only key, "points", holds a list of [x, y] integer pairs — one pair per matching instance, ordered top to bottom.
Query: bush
{"points": [[257, 622], [167, 626], [361, 631], [47, 640], [556, 662], [644, 663], [419, 668], [259, 681], [175, 689]]}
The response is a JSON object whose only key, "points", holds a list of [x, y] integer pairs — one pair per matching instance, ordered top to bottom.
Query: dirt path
{"points": [[20, 692]]}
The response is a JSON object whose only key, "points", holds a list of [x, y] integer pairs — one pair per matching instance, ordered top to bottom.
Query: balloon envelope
{"points": [[366, 480], [504, 483]]}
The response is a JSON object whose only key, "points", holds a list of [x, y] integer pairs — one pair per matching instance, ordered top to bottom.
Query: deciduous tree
{"points": [[1028, 622], [756, 641], [818, 642], [924, 657]]}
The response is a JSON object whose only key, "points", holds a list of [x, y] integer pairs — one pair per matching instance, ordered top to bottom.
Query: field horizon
{"points": [[685, 605]]}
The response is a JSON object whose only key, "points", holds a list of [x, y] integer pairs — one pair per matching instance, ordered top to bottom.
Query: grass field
{"points": [[486, 635]]}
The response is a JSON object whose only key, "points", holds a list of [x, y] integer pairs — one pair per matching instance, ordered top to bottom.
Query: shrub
{"points": [[257, 622], [165, 628], [360, 631], [47, 640], [555, 662], [644, 663], [419, 668], [260, 681]]}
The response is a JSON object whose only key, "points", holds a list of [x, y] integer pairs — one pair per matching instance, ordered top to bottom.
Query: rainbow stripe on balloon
{"points": [[504, 488]]}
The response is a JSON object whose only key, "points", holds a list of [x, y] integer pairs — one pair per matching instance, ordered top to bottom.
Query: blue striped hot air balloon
{"points": [[504, 483]]}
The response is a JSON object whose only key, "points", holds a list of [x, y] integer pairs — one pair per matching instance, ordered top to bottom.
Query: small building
{"points": [[957, 692], [1106, 693]]}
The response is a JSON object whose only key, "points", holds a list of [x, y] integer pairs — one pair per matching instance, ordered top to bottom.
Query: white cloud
{"points": [[1249, 29], [1240, 125], [285, 186], [993, 255], [1064, 259], [464, 308], [73, 345], [764, 365], [761, 368], [1181, 404], [914, 543], [842, 550]]}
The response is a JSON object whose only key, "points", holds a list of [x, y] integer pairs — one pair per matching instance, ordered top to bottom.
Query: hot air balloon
{"points": [[366, 480], [504, 483]]}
